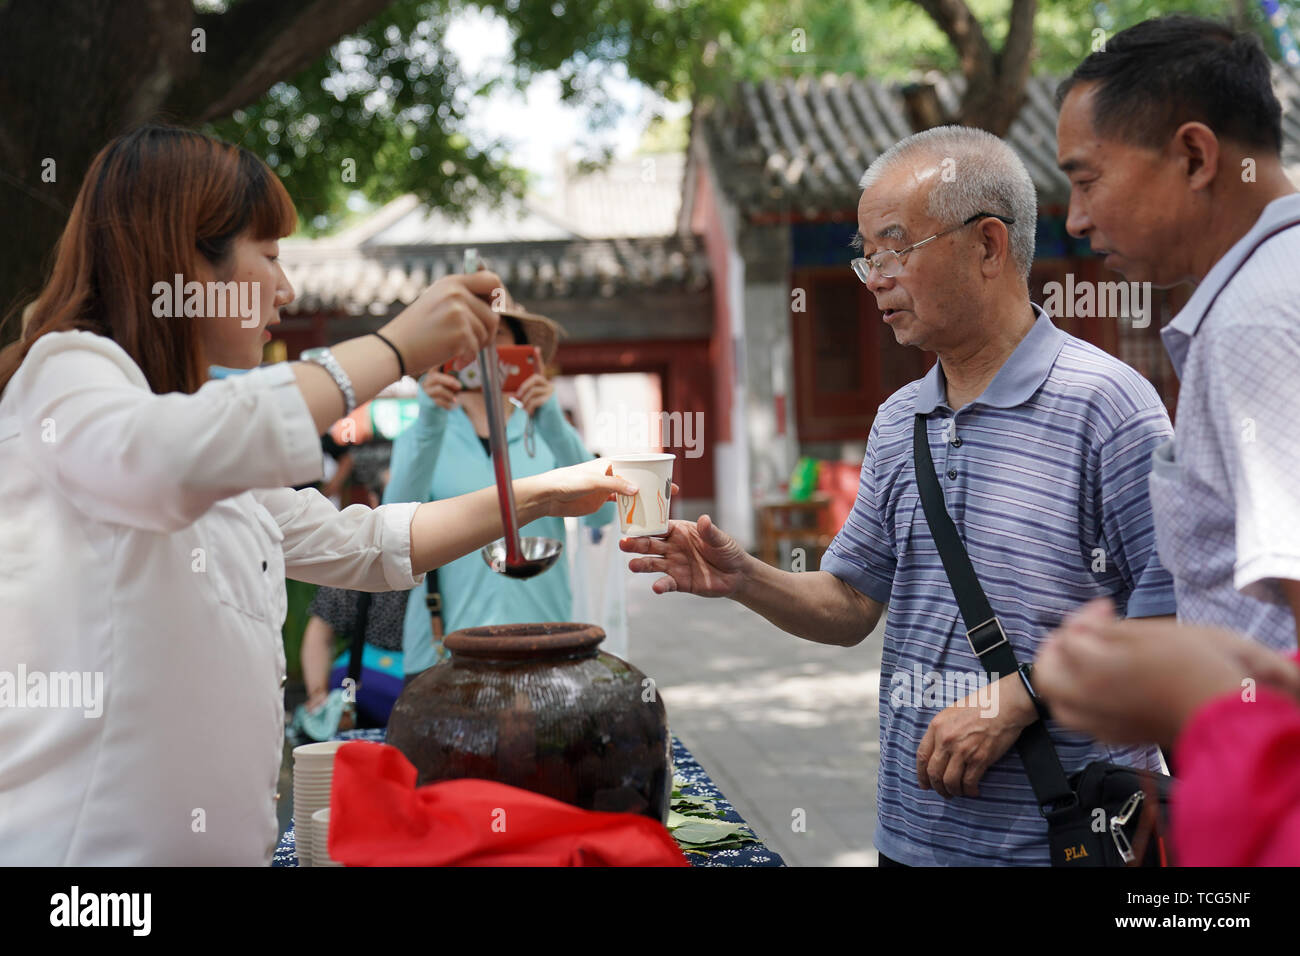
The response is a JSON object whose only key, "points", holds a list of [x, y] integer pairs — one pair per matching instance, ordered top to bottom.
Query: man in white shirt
{"points": [[1171, 138]]}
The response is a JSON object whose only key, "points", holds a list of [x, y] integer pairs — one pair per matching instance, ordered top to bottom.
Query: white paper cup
{"points": [[646, 512], [317, 755], [303, 809], [320, 827]]}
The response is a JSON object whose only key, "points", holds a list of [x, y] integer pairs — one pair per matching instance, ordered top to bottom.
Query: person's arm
{"points": [[450, 318], [561, 437], [566, 445], [120, 453], [415, 453], [335, 485], [442, 531], [391, 547], [700, 558], [840, 604], [814, 605], [317, 647], [1139, 681], [1230, 706]]}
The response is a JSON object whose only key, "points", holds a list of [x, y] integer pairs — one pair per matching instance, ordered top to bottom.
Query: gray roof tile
{"points": [[804, 142]]}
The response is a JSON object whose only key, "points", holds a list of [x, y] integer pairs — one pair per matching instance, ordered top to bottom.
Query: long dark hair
{"points": [[156, 202]]}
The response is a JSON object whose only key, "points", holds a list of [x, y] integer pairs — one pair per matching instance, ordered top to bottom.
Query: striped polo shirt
{"points": [[1045, 477]]}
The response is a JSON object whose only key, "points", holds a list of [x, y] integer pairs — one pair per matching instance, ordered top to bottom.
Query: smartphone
{"points": [[518, 364]]}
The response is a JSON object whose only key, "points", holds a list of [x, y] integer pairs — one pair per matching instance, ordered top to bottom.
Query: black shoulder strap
{"points": [[359, 624], [983, 629]]}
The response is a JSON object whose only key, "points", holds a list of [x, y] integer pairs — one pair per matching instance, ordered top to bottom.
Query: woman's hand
{"points": [[451, 318], [442, 388], [535, 392], [571, 492], [695, 557]]}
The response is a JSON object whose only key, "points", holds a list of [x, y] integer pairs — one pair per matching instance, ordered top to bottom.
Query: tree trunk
{"points": [[995, 82]]}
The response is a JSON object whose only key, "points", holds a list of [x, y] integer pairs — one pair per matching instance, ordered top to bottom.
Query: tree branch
{"points": [[965, 34], [256, 44], [1014, 60], [995, 82]]}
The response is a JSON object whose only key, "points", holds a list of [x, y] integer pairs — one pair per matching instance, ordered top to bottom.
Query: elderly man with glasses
{"points": [[1042, 445]]}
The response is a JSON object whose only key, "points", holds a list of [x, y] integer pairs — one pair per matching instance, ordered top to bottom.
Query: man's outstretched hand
{"points": [[694, 558]]}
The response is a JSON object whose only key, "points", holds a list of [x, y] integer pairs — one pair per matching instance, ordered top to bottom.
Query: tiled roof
{"points": [[803, 143], [598, 235], [379, 280]]}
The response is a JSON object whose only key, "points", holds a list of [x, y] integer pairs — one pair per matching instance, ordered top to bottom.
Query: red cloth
{"points": [[1238, 798], [380, 818]]}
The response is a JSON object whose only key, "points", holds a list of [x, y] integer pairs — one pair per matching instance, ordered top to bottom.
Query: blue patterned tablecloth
{"points": [[684, 766]]}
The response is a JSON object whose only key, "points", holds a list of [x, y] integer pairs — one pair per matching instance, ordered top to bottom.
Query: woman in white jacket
{"points": [[147, 524]]}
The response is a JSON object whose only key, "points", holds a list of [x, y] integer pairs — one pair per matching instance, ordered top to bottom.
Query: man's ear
{"points": [[1197, 148], [996, 242]]}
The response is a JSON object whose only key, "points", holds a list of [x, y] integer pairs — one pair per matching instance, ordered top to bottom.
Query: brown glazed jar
{"points": [[537, 706]]}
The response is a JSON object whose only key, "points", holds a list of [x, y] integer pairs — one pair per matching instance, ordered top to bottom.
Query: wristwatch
{"points": [[326, 360], [1026, 672]]}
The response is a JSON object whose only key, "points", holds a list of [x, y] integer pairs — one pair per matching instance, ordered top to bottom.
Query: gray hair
{"points": [[987, 176]]}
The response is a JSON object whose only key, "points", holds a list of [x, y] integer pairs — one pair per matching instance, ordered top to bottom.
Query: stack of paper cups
{"points": [[313, 772], [320, 838]]}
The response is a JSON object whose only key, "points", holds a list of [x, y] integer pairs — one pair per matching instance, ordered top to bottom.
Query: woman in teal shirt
{"points": [[444, 453]]}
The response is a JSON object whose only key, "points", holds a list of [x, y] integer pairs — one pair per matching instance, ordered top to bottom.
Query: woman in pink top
{"points": [[1229, 707]]}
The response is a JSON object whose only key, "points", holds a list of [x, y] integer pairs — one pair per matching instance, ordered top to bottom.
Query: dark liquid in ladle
{"points": [[528, 569]]}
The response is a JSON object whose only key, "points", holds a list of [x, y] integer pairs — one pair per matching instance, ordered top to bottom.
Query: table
{"points": [[684, 766]]}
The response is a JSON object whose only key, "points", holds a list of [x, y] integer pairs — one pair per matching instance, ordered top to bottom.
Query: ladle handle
{"points": [[487, 360], [487, 363]]}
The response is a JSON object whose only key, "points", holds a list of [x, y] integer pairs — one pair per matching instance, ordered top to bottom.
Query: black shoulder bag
{"points": [[1103, 815]]}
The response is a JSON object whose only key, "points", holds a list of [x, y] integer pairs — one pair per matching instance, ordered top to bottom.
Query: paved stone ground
{"points": [[779, 723]]}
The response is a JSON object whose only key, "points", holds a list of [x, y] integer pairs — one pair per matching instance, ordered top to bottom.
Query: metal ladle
{"points": [[512, 556]]}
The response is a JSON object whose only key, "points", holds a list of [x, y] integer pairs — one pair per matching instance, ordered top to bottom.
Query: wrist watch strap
{"points": [[326, 360], [1026, 671]]}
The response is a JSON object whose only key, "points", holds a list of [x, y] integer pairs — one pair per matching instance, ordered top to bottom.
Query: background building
{"points": [[722, 277]]}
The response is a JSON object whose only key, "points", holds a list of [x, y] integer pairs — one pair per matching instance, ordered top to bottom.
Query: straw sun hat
{"points": [[538, 329]]}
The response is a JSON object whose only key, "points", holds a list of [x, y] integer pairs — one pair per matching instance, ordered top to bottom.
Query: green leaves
{"points": [[385, 111], [382, 114], [693, 822], [703, 831]]}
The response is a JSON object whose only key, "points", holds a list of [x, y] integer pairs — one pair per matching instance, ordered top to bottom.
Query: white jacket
{"points": [[144, 543]]}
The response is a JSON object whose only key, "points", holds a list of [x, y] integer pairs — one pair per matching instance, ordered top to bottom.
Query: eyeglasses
{"points": [[890, 262]]}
